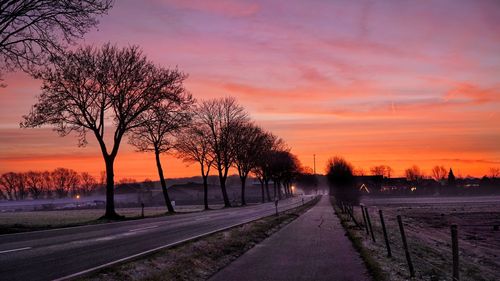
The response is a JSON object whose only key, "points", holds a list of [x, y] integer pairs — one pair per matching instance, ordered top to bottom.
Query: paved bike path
{"points": [[313, 247]]}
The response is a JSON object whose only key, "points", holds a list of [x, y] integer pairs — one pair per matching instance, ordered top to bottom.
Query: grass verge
{"points": [[44, 220], [366, 254], [201, 258]]}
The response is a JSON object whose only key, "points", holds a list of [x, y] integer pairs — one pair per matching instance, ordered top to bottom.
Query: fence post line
{"points": [[351, 214], [364, 218], [370, 224], [386, 238], [405, 246], [454, 247]]}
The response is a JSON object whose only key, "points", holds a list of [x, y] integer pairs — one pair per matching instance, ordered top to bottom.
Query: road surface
{"points": [[312, 247], [61, 253]]}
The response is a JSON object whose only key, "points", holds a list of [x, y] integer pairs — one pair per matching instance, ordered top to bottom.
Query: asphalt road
{"points": [[53, 254]]}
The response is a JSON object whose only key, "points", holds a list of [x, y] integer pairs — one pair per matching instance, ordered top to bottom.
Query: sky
{"points": [[396, 83]]}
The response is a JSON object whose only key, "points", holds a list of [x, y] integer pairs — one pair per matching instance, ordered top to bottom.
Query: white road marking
{"points": [[143, 228], [15, 250]]}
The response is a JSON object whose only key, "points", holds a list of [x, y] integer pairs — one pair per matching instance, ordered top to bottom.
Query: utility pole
{"points": [[314, 159], [314, 165]]}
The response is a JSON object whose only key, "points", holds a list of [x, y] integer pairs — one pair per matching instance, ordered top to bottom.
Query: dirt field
{"points": [[427, 225]]}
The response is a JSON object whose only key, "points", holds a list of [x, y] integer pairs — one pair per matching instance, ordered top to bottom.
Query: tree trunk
{"points": [[222, 181], [163, 184], [243, 185], [278, 185], [274, 189], [110, 190], [205, 191], [267, 191]]}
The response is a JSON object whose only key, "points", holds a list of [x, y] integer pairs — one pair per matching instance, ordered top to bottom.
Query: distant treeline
{"points": [[415, 182], [59, 183]]}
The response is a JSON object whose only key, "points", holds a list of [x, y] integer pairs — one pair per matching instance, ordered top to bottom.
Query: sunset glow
{"points": [[388, 82]]}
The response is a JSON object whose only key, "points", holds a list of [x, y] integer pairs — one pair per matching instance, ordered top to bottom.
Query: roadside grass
{"points": [[13, 222], [366, 254], [201, 258]]}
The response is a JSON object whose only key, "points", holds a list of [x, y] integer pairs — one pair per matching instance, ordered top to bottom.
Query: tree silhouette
{"points": [[33, 30], [85, 88], [222, 117], [158, 126], [249, 140], [193, 146], [285, 168], [263, 170], [381, 170], [494, 172], [439, 173], [414, 174], [451, 178], [341, 179], [65, 181], [87, 183], [35, 184], [12, 186]]}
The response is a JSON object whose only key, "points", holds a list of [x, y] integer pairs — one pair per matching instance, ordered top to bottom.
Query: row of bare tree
{"points": [[97, 90], [112, 93], [221, 136], [415, 173], [60, 183]]}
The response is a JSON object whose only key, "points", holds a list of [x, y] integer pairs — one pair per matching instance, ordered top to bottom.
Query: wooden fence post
{"points": [[351, 214], [364, 219], [370, 224], [386, 238], [405, 246], [454, 247]]}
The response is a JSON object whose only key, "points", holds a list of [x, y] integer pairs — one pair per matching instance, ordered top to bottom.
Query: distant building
{"points": [[369, 184]]}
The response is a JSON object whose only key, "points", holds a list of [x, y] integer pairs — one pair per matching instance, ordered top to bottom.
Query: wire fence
{"points": [[437, 263]]}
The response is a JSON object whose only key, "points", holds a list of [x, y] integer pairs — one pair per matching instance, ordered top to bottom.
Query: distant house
{"points": [[369, 184], [391, 185]]}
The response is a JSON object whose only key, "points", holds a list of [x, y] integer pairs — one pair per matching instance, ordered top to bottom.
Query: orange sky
{"points": [[394, 83]]}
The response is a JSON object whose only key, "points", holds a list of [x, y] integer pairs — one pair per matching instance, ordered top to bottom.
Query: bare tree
{"points": [[33, 30], [85, 88], [221, 117], [158, 127], [249, 140], [193, 146], [285, 168], [263, 170], [378, 170], [381, 170], [388, 171], [494, 172], [414, 173], [439, 173], [65, 181], [87, 183], [35, 184], [9, 185]]}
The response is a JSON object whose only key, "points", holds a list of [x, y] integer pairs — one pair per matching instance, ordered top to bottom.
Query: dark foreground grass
{"points": [[35, 221], [368, 257], [201, 258]]}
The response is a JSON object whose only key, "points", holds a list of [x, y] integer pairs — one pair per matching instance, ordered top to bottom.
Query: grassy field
{"points": [[11, 222], [427, 227], [201, 258]]}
